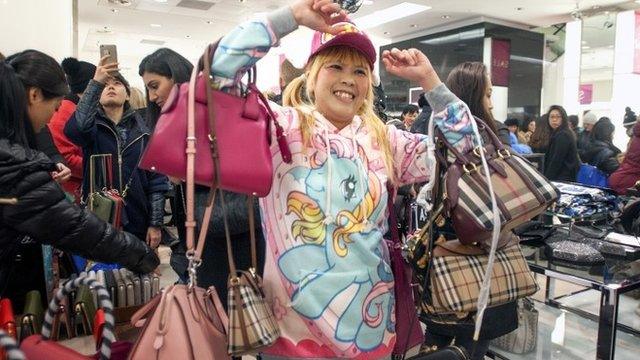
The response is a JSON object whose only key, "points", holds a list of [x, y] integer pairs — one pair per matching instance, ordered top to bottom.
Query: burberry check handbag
{"points": [[521, 191], [252, 324]]}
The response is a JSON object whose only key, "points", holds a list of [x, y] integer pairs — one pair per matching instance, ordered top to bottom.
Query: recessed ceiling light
{"points": [[367, 2], [519, 8], [114, 10], [390, 14], [446, 17], [209, 22], [155, 25], [414, 25], [387, 33], [188, 36], [586, 47]]}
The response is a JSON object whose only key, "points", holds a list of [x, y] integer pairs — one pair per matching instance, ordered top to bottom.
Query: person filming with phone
{"points": [[104, 123]]}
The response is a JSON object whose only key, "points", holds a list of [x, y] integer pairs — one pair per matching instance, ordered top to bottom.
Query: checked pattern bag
{"points": [[456, 280], [252, 325]]}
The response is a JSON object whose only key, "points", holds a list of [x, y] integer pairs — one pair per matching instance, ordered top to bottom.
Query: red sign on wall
{"points": [[636, 46], [500, 53]]}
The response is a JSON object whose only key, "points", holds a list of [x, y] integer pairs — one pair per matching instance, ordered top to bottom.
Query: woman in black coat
{"points": [[601, 152], [561, 162], [33, 207]]}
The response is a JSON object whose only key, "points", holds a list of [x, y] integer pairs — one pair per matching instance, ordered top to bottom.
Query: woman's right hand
{"points": [[319, 15], [104, 71]]}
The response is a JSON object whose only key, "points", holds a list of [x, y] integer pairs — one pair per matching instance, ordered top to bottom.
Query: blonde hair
{"points": [[294, 96], [137, 99]]}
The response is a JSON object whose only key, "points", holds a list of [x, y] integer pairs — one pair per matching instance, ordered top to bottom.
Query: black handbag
{"points": [[451, 352]]}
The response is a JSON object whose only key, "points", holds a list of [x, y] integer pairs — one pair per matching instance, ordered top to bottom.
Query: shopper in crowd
{"points": [[26, 65], [160, 71], [288, 72], [78, 74], [470, 82], [137, 99], [409, 115], [589, 119], [629, 121], [105, 123], [397, 123], [421, 124], [513, 124], [573, 124], [527, 128], [540, 138], [601, 152], [561, 162], [628, 173], [33, 208], [325, 273]]}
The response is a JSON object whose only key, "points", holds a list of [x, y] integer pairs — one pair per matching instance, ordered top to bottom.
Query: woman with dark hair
{"points": [[161, 71], [470, 82], [409, 115], [527, 128], [539, 140], [601, 152], [561, 162], [33, 208]]}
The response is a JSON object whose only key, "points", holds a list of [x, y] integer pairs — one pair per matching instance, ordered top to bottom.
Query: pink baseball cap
{"points": [[350, 36]]}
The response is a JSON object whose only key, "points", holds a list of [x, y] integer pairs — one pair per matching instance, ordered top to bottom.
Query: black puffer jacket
{"points": [[603, 155], [43, 214]]}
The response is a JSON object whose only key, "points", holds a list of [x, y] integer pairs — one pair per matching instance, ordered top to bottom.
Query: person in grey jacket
{"points": [[104, 123]]}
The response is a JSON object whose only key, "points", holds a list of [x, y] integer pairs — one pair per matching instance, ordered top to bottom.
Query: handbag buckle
{"points": [[476, 151], [504, 153], [469, 168]]}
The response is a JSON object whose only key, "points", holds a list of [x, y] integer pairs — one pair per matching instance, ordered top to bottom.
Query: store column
{"points": [[36, 24]]}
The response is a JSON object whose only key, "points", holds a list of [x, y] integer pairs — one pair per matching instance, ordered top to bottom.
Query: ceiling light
{"points": [[161, 1], [367, 2], [519, 8], [114, 10], [389, 14], [446, 17], [209, 22], [155, 25], [414, 25], [387, 33], [188, 36], [586, 47]]}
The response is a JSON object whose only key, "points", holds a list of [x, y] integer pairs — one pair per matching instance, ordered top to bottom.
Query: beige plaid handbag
{"points": [[457, 270], [252, 325]]}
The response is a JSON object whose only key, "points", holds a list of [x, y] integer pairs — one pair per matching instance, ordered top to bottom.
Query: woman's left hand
{"points": [[411, 64], [62, 175]]}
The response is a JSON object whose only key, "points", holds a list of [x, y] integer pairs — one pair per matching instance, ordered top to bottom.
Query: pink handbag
{"points": [[240, 139]]}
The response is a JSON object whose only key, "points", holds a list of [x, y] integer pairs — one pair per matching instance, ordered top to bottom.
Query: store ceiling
{"points": [[188, 23], [139, 27]]}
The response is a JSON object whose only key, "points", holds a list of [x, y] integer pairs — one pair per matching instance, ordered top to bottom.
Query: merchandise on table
{"points": [[582, 201]]}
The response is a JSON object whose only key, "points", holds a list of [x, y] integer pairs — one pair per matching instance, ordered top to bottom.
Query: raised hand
{"points": [[319, 15], [411, 64], [105, 70]]}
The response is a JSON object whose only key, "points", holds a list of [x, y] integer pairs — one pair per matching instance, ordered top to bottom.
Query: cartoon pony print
{"points": [[340, 252]]}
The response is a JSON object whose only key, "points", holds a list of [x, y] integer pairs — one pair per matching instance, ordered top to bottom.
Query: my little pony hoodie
{"points": [[327, 274]]}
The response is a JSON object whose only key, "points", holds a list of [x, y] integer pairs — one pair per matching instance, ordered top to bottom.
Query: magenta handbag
{"points": [[241, 135], [408, 331]]}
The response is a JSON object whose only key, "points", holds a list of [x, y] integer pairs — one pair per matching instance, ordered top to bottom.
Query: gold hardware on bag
{"points": [[504, 153], [472, 169]]}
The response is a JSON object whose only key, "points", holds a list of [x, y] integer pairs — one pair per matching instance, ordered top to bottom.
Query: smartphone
{"points": [[111, 51]]}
